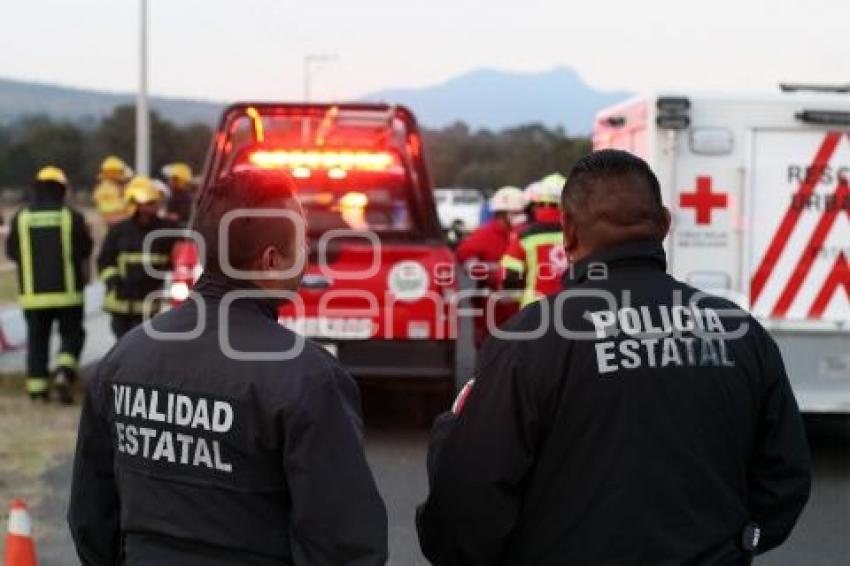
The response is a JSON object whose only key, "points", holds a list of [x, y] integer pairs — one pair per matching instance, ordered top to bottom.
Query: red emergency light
{"points": [[331, 160]]}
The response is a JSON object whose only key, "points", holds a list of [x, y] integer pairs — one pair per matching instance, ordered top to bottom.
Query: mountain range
{"points": [[483, 98], [489, 98]]}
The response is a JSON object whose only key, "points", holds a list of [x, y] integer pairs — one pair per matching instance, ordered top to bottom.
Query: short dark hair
{"points": [[616, 188], [248, 236]]}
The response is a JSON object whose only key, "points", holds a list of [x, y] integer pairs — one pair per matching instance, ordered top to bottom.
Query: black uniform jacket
{"points": [[123, 258], [50, 263], [642, 423], [189, 454]]}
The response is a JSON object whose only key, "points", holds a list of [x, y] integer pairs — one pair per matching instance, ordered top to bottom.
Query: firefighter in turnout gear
{"points": [[181, 192], [108, 195], [51, 244], [481, 253], [534, 262], [126, 268], [631, 419], [239, 444]]}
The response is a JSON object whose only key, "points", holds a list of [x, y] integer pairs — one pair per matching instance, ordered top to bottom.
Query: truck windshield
{"points": [[383, 208]]}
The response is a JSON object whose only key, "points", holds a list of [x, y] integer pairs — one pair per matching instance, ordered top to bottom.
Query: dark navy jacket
{"points": [[653, 432], [188, 455]]}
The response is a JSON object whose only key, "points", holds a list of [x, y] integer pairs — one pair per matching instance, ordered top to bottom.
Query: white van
{"points": [[759, 188], [459, 209]]}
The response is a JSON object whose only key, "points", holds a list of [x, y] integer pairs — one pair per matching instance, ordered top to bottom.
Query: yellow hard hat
{"points": [[113, 164], [178, 170], [51, 173], [141, 190]]}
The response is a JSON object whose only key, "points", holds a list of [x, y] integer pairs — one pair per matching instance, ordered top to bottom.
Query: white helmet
{"points": [[548, 190], [529, 194], [507, 199]]}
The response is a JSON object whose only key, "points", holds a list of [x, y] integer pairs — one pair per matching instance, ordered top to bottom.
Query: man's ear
{"points": [[666, 221], [571, 242], [270, 259]]}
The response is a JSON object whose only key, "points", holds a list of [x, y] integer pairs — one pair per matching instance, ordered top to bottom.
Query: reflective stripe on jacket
{"points": [[50, 244], [537, 261], [133, 276]]}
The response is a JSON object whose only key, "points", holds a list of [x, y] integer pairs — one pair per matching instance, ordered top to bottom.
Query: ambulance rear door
{"points": [[700, 166], [800, 234], [799, 253]]}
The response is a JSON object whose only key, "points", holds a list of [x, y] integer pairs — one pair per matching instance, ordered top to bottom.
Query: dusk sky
{"points": [[223, 50]]}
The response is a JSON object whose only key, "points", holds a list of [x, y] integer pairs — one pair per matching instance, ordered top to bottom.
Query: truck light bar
{"points": [[375, 161]]}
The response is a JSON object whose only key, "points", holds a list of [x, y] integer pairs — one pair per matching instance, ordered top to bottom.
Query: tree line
{"points": [[79, 147], [458, 155], [461, 157]]}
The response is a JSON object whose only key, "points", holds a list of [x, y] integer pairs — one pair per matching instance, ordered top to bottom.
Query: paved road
{"points": [[396, 444], [822, 537]]}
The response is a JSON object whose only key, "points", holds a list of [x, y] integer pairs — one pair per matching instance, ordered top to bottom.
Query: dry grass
{"points": [[8, 285], [33, 437]]}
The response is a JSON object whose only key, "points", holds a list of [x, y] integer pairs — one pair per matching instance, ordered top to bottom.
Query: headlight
{"points": [[179, 291]]}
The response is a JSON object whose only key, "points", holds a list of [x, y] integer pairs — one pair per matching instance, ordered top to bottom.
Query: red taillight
{"points": [[370, 161]]}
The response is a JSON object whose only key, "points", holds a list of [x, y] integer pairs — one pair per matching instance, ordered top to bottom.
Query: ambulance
{"points": [[759, 189], [379, 287]]}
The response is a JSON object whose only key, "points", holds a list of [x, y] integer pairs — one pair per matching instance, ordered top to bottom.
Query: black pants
{"points": [[123, 323], [39, 327]]}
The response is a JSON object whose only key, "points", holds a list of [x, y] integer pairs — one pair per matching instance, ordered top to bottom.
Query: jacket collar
{"points": [[647, 253], [217, 286]]}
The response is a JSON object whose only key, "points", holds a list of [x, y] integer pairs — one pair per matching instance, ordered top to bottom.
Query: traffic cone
{"points": [[20, 547]]}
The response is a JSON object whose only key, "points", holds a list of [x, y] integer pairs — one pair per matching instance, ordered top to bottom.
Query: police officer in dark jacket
{"points": [[51, 244], [126, 267], [645, 423], [215, 436]]}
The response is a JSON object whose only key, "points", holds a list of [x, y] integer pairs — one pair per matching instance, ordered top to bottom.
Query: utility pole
{"points": [[311, 60], [142, 116]]}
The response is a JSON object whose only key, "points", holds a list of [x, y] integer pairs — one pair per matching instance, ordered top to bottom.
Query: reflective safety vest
{"points": [[108, 197], [50, 246], [537, 257], [132, 275]]}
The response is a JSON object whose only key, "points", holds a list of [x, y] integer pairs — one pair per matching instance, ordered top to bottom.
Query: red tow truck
{"points": [[380, 286]]}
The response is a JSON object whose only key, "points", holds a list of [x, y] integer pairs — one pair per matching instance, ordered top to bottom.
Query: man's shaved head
{"points": [[612, 197], [248, 236]]}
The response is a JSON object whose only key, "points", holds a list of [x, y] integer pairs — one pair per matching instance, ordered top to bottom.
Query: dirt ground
{"points": [[34, 438]]}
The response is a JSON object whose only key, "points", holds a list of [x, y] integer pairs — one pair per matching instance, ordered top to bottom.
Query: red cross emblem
{"points": [[703, 200]]}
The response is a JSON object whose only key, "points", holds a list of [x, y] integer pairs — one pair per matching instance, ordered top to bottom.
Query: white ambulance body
{"points": [[758, 188]]}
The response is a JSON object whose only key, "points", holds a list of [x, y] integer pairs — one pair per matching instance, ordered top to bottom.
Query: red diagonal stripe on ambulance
{"points": [[792, 215], [801, 271], [839, 276]]}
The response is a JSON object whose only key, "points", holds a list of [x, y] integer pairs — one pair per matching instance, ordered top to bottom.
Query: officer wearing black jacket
{"points": [[51, 244], [644, 423], [215, 436]]}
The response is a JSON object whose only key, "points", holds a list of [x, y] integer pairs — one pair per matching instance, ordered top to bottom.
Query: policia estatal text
{"points": [[51, 244], [667, 434], [188, 455]]}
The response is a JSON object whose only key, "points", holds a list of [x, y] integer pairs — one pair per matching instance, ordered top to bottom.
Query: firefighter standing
{"points": [[108, 195], [179, 205], [51, 244], [482, 251], [534, 262], [124, 265], [631, 419], [238, 444]]}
